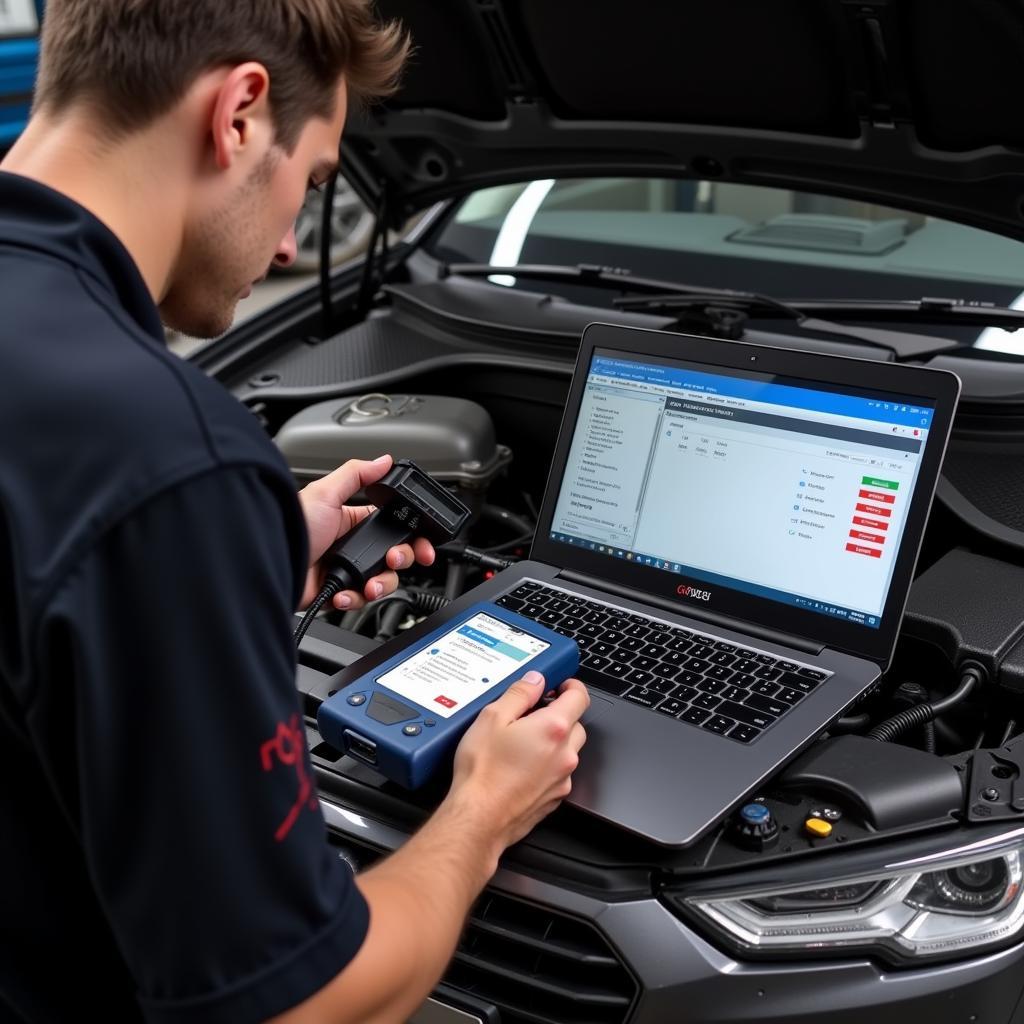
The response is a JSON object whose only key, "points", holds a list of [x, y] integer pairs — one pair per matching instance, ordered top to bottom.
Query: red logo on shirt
{"points": [[288, 746]]}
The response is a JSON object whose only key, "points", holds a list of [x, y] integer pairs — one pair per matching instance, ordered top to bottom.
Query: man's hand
{"points": [[328, 518], [512, 768]]}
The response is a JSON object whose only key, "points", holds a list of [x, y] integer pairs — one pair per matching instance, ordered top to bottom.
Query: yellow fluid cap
{"points": [[818, 828]]}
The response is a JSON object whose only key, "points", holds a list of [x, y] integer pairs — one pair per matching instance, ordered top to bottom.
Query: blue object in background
{"points": [[19, 57]]}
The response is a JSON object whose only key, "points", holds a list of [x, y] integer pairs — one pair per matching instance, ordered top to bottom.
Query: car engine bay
{"points": [[470, 382]]}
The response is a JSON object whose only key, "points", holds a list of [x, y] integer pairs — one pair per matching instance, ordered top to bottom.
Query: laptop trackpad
{"points": [[598, 706], [662, 779]]}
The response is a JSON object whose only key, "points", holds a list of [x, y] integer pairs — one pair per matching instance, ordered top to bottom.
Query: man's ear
{"points": [[241, 109]]}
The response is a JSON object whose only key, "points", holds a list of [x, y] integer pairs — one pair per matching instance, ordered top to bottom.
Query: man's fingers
{"points": [[350, 477], [356, 514], [424, 551], [403, 555], [400, 557], [380, 586], [347, 600], [520, 696], [572, 700], [577, 737]]}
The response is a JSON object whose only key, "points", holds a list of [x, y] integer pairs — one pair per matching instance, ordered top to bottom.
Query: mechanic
{"points": [[157, 814]]}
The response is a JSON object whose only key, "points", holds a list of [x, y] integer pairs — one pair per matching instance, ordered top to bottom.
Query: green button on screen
{"points": [[872, 481]]}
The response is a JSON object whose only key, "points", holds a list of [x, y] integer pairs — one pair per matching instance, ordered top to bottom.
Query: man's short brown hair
{"points": [[132, 60]]}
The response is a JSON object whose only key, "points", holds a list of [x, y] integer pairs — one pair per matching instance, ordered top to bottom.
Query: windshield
{"points": [[791, 245]]}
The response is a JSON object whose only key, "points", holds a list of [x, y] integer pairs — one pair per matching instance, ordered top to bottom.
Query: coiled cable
{"points": [[329, 589], [919, 714]]}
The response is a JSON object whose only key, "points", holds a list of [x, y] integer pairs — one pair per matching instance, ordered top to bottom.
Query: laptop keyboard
{"points": [[692, 677]]}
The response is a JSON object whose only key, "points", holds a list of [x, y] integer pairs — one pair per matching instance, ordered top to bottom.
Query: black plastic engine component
{"points": [[972, 609], [889, 787], [995, 789]]}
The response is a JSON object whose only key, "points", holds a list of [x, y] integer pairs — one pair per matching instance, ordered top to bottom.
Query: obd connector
{"points": [[410, 503]]}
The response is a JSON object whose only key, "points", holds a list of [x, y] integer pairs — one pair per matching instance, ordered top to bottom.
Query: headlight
{"points": [[954, 908]]}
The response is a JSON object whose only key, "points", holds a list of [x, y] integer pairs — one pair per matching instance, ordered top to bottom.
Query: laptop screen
{"points": [[782, 488]]}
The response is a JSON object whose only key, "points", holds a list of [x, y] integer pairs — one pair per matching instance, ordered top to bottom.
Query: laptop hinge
{"points": [[775, 636]]}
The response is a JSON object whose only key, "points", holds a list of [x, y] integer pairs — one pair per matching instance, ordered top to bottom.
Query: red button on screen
{"points": [[888, 499], [874, 510], [874, 524], [876, 538], [860, 549], [446, 701]]}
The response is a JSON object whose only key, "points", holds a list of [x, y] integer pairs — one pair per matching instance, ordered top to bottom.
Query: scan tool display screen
{"points": [[462, 665]]}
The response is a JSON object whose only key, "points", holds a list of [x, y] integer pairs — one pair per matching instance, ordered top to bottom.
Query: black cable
{"points": [[368, 284], [326, 310], [529, 502], [517, 524], [522, 527], [497, 549], [458, 551], [455, 579], [330, 588], [420, 602], [428, 602], [374, 608], [363, 614], [389, 618], [851, 723], [888, 730], [929, 737]]}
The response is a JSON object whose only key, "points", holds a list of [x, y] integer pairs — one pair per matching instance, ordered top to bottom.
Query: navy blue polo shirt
{"points": [[160, 838]]}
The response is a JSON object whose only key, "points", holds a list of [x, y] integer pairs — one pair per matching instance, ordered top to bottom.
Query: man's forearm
{"points": [[511, 770], [418, 898]]}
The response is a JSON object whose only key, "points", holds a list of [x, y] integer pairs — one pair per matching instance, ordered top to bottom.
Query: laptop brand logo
{"points": [[692, 592]]}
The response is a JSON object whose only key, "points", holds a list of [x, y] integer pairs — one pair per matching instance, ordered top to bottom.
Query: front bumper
{"points": [[681, 977]]}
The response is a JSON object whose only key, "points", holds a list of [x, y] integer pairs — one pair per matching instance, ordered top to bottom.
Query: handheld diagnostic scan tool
{"points": [[407, 714]]}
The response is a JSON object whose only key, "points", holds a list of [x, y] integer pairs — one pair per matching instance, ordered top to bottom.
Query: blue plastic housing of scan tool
{"points": [[406, 737]]}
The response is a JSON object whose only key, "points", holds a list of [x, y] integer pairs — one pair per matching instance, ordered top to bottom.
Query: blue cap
{"points": [[754, 814]]}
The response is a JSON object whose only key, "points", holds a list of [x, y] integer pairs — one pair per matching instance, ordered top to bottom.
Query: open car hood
{"points": [[910, 103]]}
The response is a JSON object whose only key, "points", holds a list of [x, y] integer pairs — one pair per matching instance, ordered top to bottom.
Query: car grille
{"points": [[536, 965], [540, 967]]}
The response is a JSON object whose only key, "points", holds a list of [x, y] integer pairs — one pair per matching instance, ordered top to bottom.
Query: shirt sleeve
{"points": [[182, 762]]}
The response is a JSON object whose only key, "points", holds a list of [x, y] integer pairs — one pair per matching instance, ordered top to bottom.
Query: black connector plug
{"points": [[410, 503], [460, 552]]}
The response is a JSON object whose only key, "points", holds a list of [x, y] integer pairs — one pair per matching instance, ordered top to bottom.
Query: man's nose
{"points": [[287, 250]]}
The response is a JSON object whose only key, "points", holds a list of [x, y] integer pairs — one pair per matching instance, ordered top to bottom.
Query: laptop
{"points": [[729, 532]]}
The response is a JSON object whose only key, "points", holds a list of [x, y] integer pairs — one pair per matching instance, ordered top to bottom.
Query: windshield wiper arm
{"points": [[592, 275], [924, 310], [719, 311], [726, 312], [960, 312], [964, 312]]}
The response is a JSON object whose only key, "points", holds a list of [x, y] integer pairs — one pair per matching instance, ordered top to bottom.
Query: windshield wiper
{"points": [[616, 279], [936, 310], [721, 312], [962, 312]]}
